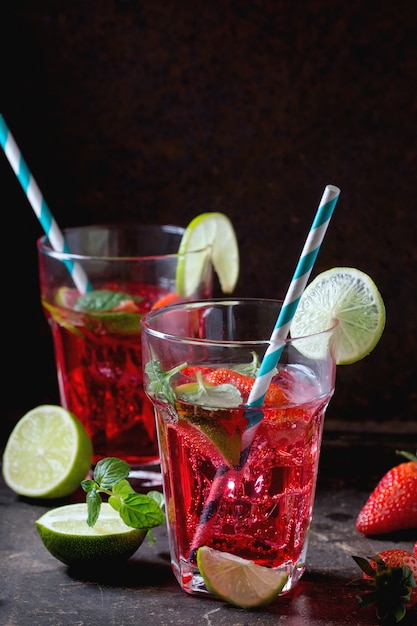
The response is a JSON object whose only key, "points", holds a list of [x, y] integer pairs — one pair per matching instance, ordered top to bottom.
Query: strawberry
{"points": [[167, 299], [191, 371], [274, 395], [392, 505], [390, 581]]}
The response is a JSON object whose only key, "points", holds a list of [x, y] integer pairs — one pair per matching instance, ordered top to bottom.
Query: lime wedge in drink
{"points": [[214, 230], [349, 296], [47, 454], [66, 534], [238, 581]]}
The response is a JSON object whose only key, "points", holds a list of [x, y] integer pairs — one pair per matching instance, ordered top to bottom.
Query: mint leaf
{"points": [[102, 300], [249, 369], [158, 380], [225, 396], [109, 471], [88, 485], [122, 488], [158, 497], [93, 507], [140, 511]]}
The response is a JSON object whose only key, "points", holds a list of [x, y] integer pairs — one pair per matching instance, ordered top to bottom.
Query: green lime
{"points": [[216, 231], [349, 296], [67, 297], [48, 453], [66, 534], [238, 581]]}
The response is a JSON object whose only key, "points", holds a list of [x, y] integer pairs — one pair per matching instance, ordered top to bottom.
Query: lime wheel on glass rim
{"points": [[216, 231], [350, 297]]}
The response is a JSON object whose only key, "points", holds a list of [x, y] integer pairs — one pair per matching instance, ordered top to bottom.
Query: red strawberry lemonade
{"points": [[99, 360], [238, 480], [260, 511]]}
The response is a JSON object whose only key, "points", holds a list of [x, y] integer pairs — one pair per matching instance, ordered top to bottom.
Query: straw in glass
{"points": [[39, 206], [269, 361]]}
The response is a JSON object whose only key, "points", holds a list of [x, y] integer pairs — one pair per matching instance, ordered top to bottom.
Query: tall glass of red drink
{"points": [[96, 335], [237, 479]]}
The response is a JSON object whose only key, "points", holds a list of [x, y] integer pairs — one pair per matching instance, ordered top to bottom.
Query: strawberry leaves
{"points": [[388, 583]]}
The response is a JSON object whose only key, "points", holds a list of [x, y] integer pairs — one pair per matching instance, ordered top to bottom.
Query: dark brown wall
{"points": [[161, 110]]}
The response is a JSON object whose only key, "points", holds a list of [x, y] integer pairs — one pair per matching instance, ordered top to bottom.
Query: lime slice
{"points": [[214, 230], [349, 296], [67, 297], [47, 454], [66, 534], [238, 581]]}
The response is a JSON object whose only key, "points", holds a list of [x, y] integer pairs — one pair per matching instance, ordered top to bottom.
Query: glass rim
{"points": [[44, 246], [196, 304]]}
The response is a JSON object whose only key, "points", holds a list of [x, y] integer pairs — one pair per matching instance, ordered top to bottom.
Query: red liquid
{"points": [[99, 364], [261, 512]]}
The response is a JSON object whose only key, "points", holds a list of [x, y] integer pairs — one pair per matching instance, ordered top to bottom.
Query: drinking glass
{"points": [[130, 269], [237, 479]]}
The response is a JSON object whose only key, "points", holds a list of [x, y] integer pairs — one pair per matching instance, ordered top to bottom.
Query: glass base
{"points": [[191, 581]]}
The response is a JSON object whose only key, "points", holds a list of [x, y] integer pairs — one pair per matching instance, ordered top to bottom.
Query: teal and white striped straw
{"points": [[39, 205], [292, 298], [268, 365]]}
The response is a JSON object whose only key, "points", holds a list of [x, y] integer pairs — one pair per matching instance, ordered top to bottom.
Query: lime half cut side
{"points": [[215, 232], [349, 296], [48, 453], [66, 535], [238, 581]]}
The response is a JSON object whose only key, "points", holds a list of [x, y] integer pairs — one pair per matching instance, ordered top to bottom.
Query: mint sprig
{"points": [[142, 511]]}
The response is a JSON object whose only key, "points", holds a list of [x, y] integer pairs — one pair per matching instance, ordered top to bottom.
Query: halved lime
{"points": [[214, 230], [349, 296], [47, 454], [66, 534], [238, 581]]}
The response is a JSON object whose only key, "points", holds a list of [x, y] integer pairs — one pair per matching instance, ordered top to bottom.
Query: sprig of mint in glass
{"points": [[138, 510]]}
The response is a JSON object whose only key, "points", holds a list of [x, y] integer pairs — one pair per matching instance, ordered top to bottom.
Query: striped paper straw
{"points": [[39, 205], [292, 298], [269, 363]]}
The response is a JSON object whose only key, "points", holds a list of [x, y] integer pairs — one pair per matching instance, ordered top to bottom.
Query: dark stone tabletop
{"points": [[37, 589]]}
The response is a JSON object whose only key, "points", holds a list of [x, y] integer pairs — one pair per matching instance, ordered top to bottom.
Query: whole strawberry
{"points": [[392, 505], [389, 582]]}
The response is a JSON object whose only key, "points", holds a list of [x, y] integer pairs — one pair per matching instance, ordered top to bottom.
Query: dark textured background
{"points": [[161, 110]]}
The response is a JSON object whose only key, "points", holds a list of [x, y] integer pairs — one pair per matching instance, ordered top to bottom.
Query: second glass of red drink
{"points": [[130, 269]]}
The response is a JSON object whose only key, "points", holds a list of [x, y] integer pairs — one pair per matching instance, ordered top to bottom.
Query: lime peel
{"points": [[238, 581]]}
